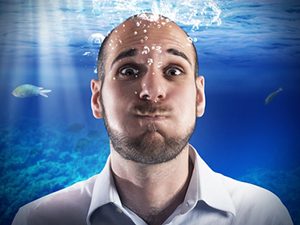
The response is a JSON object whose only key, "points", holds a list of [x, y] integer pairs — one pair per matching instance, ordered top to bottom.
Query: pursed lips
{"points": [[150, 116]]}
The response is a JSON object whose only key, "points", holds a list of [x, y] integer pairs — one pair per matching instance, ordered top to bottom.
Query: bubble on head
{"points": [[149, 16], [189, 39], [158, 48], [145, 50], [149, 61]]}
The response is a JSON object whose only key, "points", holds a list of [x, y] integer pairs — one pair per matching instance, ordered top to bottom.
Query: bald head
{"points": [[145, 30]]}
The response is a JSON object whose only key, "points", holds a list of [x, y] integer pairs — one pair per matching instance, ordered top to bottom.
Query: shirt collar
{"points": [[205, 185]]}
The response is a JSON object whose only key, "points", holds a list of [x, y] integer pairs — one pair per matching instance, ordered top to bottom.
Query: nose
{"points": [[152, 87]]}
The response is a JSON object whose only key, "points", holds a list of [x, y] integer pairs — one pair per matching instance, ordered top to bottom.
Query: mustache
{"points": [[151, 108]]}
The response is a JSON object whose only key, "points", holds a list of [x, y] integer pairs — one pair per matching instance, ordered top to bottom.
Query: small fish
{"points": [[28, 90], [272, 95]]}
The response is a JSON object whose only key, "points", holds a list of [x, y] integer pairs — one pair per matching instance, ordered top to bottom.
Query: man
{"points": [[149, 94]]}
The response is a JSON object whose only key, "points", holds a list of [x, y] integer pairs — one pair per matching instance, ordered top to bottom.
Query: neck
{"points": [[153, 192]]}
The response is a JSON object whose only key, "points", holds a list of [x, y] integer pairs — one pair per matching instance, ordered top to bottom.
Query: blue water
{"points": [[247, 50]]}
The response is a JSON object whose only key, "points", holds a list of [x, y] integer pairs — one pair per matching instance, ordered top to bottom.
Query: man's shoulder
{"points": [[71, 202], [255, 202]]}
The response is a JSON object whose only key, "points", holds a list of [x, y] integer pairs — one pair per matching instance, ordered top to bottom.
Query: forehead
{"points": [[138, 33]]}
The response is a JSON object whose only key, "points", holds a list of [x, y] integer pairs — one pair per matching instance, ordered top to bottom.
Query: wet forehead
{"points": [[138, 33]]}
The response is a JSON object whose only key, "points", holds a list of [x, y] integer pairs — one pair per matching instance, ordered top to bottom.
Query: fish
{"points": [[28, 90], [269, 98]]}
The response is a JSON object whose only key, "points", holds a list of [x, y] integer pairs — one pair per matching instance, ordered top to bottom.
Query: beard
{"points": [[147, 148]]}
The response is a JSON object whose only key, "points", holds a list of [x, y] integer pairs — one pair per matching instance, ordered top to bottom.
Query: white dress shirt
{"points": [[211, 199]]}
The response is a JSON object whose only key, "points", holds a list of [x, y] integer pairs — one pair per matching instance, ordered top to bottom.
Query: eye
{"points": [[128, 71], [173, 71]]}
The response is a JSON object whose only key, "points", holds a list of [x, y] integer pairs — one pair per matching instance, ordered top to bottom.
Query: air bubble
{"points": [[189, 39], [195, 39], [158, 48], [146, 50], [86, 53], [150, 61], [95, 70]]}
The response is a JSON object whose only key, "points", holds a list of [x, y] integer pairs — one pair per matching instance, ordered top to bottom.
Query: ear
{"points": [[200, 98], [96, 99]]}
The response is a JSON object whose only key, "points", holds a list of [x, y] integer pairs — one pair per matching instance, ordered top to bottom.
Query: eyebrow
{"points": [[174, 51], [133, 52], [127, 53]]}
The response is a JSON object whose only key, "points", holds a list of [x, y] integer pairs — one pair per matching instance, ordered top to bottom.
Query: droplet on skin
{"points": [[138, 24], [123, 25], [158, 26], [145, 31], [135, 32], [146, 38], [120, 41], [142, 41], [158, 48], [146, 50], [149, 61], [159, 64], [136, 76], [114, 78], [135, 92]]}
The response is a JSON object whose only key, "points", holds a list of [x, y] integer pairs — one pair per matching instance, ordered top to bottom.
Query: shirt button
{"points": [[189, 202]]}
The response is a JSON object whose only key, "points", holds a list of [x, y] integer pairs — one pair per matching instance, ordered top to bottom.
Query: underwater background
{"points": [[248, 50]]}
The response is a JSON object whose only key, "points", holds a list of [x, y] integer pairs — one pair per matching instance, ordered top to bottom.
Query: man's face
{"points": [[149, 98]]}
